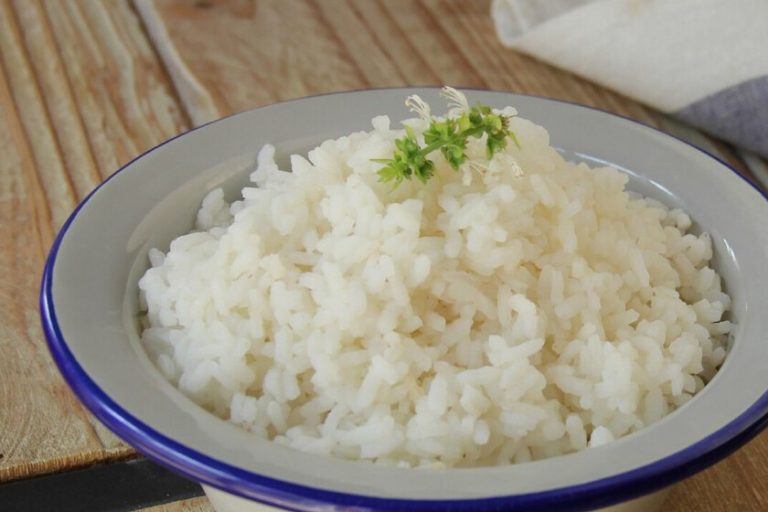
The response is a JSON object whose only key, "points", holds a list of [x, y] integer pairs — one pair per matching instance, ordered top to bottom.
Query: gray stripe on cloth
{"points": [[738, 114]]}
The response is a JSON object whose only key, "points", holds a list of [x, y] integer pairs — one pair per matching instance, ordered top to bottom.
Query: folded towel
{"points": [[702, 61]]}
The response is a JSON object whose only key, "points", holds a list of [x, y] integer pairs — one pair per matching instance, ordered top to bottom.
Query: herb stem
{"points": [[426, 150]]}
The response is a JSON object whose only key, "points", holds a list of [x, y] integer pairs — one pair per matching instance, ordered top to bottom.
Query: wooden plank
{"points": [[81, 92], [124, 96], [59, 191], [737, 483], [194, 505]]}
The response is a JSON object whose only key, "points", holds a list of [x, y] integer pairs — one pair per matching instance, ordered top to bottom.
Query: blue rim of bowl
{"points": [[197, 466]]}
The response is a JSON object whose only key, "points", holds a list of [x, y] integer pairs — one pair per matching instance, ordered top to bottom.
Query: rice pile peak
{"points": [[512, 307]]}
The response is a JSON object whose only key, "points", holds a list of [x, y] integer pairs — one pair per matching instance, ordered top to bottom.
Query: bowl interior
{"points": [[94, 269]]}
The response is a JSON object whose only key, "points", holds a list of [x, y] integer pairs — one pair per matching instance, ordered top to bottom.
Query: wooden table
{"points": [[87, 85]]}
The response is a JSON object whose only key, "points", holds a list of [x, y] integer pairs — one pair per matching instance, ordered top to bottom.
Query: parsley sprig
{"points": [[450, 136]]}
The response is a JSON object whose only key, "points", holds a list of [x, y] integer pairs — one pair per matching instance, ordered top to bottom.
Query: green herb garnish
{"points": [[450, 136]]}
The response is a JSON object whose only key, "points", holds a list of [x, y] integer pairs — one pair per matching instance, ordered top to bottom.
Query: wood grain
{"points": [[86, 85], [81, 92], [193, 505]]}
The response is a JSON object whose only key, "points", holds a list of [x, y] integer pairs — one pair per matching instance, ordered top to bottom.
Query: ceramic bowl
{"points": [[89, 312]]}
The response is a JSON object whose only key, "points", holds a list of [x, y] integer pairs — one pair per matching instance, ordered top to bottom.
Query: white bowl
{"points": [[89, 308]]}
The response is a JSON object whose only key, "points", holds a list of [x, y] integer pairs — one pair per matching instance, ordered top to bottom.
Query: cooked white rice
{"points": [[525, 310]]}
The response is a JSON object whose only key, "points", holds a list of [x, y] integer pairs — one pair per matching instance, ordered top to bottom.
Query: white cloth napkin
{"points": [[702, 61]]}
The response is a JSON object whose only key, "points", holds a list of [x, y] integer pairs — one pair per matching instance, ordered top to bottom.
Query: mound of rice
{"points": [[522, 308]]}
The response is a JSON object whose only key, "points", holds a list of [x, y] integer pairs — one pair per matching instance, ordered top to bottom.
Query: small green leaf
{"points": [[464, 122], [389, 173]]}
